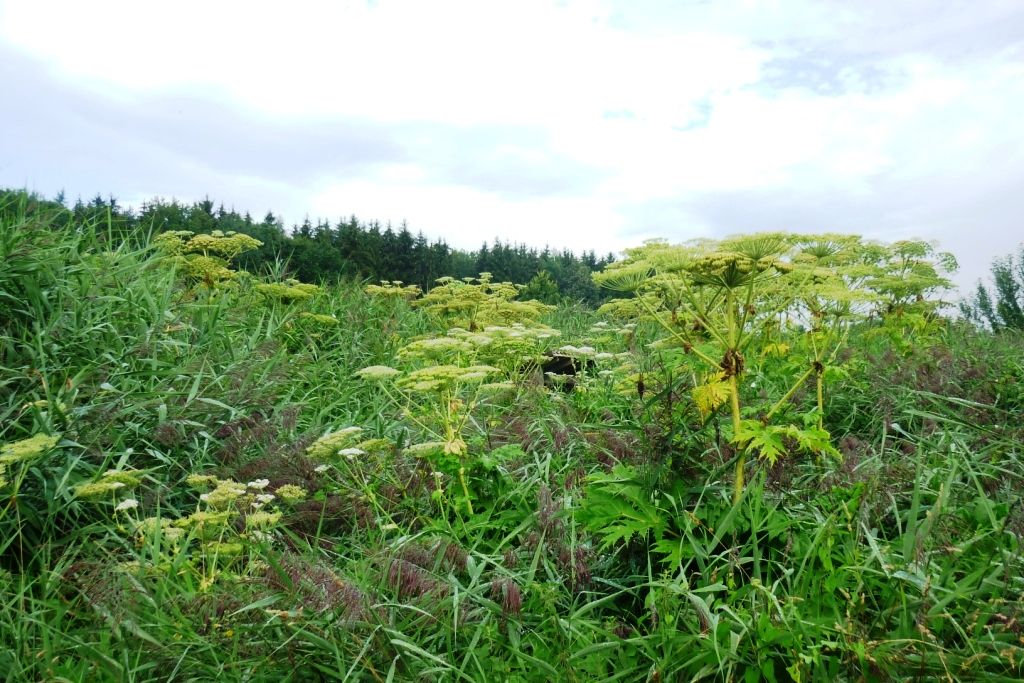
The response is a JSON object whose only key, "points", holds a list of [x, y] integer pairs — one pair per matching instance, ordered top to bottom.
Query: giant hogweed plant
{"points": [[205, 258], [908, 280], [709, 297], [475, 303], [730, 303], [443, 381]]}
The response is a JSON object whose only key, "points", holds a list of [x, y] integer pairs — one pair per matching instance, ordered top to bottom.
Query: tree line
{"points": [[350, 248], [1000, 306]]}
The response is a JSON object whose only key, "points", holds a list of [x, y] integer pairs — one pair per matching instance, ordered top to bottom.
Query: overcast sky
{"points": [[588, 125]]}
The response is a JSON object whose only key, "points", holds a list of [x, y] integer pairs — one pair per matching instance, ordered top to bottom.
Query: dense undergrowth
{"points": [[213, 476]]}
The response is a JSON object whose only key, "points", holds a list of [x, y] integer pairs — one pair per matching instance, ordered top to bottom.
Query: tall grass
{"points": [[901, 562]]}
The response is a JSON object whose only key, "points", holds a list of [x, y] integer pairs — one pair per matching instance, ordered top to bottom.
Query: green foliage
{"points": [[319, 251], [205, 258], [541, 287], [395, 289], [290, 291], [722, 301], [475, 303], [444, 380], [770, 441], [346, 487], [618, 508]]}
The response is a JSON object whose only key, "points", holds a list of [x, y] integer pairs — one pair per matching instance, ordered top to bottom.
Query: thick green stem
{"points": [[734, 393], [789, 394], [821, 400], [734, 402], [465, 489]]}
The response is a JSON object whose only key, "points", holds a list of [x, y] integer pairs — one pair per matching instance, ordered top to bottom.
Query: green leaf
{"points": [[714, 392], [765, 439], [816, 440], [617, 508]]}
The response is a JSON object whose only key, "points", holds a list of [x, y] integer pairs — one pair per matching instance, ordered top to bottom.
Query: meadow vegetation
{"points": [[776, 461]]}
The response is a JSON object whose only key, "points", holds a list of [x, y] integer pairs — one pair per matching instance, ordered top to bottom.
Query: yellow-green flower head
{"points": [[172, 242], [227, 245], [716, 263], [783, 266], [208, 268], [393, 290], [287, 293], [328, 320], [479, 339], [435, 347], [578, 352], [376, 373], [433, 377], [472, 378], [496, 387], [328, 445], [455, 447], [27, 449], [126, 477], [201, 481], [109, 482], [97, 489], [290, 493], [224, 495], [204, 519], [262, 520], [206, 525], [153, 526], [224, 548]]}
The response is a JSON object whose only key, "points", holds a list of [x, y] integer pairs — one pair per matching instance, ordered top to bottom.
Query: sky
{"points": [[586, 125]]}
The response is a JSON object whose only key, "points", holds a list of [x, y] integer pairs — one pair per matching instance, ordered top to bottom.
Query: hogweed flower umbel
{"points": [[377, 372], [328, 445], [27, 449], [290, 493]]}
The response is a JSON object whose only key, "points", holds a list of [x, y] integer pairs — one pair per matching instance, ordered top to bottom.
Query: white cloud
{"points": [[459, 62], [582, 124], [472, 217]]}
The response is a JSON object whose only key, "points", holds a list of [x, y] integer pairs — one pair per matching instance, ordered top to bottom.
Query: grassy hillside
{"points": [[209, 476]]}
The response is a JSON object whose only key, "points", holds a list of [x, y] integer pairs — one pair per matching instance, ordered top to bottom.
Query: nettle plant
{"points": [[764, 299]]}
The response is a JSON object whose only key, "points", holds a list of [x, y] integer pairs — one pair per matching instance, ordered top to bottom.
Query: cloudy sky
{"points": [[575, 124]]}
